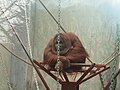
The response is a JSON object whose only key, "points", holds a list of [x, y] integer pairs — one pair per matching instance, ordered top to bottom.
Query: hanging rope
{"points": [[51, 15], [58, 23], [29, 45], [58, 47], [24, 48], [116, 52], [109, 57], [19, 58], [23, 60], [108, 60], [113, 62], [114, 66]]}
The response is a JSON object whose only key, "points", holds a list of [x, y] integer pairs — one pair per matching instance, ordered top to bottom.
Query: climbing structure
{"points": [[100, 37], [87, 73]]}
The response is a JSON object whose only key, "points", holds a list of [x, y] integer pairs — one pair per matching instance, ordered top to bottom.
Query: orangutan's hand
{"points": [[63, 63], [59, 66]]}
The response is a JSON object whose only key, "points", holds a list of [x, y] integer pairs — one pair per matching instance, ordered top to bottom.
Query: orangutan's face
{"points": [[61, 44]]}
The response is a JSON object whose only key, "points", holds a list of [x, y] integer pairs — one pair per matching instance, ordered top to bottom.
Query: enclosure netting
{"points": [[89, 21], [92, 21]]}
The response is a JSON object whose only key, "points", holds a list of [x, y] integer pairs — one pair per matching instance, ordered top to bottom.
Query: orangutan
{"points": [[71, 51]]}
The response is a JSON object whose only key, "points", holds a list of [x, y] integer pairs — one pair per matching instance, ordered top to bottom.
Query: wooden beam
{"points": [[85, 73]]}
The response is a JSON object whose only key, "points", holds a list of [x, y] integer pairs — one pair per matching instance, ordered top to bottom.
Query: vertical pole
{"points": [[70, 86]]}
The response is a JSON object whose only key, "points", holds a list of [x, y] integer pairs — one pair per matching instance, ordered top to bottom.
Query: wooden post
{"points": [[66, 84], [70, 86]]}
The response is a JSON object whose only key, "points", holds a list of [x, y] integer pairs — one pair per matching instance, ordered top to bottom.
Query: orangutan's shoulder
{"points": [[70, 34]]}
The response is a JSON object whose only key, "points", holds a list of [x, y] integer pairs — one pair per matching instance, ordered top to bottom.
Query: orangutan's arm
{"points": [[77, 53], [49, 56]]}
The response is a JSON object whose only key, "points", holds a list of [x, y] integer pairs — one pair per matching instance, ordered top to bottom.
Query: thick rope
{"points": [[29, 45], [24, 48], [23, 60]]}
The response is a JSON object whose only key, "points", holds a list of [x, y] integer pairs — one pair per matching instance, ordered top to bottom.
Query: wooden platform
{"points": [[87, 72]]}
